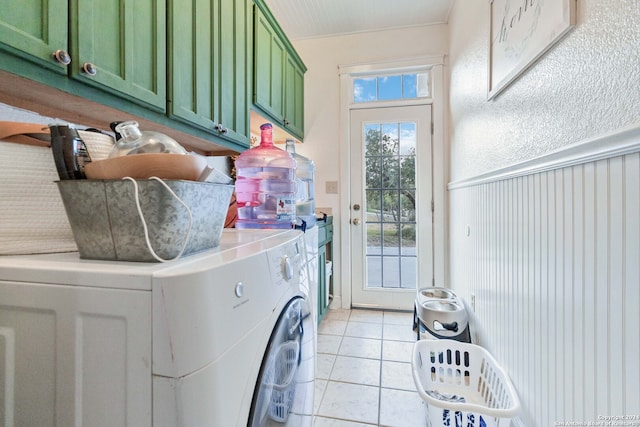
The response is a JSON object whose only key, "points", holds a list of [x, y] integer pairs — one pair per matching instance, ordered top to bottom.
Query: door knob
{"points": [[355, 221]]}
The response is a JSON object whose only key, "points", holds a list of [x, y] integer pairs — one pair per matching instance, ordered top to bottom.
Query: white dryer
{"points": [[220, 338]]}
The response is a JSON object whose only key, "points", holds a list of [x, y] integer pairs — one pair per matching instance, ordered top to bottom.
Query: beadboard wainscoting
{"points": [[550, 252]]}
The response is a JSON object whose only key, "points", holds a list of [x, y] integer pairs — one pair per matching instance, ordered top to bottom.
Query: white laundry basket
{"points": [[281, 379], [462, 385]]}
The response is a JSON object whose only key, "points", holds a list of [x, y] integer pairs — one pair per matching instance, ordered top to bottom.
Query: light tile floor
{"points": [[364, 370]]}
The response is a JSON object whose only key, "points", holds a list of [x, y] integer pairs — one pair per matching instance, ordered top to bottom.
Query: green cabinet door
{"points": [[34, 30], [121, 46], [209, 65], [269, 66], [278, 74], [294, 97], [233, 98], [325, 254]]}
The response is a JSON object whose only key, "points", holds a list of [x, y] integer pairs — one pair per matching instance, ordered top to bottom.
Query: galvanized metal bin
{"points": [[106, 224]]}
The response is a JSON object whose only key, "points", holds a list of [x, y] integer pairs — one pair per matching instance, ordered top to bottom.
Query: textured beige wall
{"points": [[587, 85]]}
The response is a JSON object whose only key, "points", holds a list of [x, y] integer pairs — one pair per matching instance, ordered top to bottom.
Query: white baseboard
{"points": [[336, 302]]}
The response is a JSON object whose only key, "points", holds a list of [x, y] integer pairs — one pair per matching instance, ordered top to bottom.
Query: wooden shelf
{"points": [[51, 102]]}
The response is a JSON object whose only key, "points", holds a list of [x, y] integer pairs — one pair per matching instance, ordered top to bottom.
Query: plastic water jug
{"points": [[265, 185], [305, 188]]}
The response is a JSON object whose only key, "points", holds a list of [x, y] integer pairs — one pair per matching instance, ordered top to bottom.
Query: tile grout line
{"points": [[380, 383]]}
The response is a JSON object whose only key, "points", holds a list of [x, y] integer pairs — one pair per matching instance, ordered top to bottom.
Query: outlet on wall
{"points": [[331, 187]]}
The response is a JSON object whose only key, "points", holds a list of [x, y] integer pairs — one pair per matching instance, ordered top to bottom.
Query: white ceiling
{"points": [[304, 19]]}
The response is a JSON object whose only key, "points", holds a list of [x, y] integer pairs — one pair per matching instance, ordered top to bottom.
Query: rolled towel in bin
{"points": [[328, 272]]}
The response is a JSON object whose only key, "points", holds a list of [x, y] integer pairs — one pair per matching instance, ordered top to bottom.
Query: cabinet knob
{"points": [[62, 57], [89, 69], [221, 129]]}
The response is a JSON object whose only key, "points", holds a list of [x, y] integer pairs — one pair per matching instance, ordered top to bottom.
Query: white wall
{"points": [[322, 99], [9, 113], [545, 210]]}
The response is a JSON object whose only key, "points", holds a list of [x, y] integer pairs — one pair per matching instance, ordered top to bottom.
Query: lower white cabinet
{"points": [[68, 352]]}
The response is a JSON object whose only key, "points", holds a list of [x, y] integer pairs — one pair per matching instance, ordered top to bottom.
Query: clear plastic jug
{"points": [[135, 141], [265, 185], [305, 191]]}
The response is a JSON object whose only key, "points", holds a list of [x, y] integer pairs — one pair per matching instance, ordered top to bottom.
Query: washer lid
{"points": [[68, 269]]}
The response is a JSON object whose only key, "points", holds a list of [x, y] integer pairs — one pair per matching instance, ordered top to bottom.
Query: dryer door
{"points": [[285, 387]]}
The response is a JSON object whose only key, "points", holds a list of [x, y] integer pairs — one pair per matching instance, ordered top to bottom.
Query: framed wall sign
{"points": [[521, 32]]}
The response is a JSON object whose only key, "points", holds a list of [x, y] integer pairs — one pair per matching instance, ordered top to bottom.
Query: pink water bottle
{"points": [[266, 185]]}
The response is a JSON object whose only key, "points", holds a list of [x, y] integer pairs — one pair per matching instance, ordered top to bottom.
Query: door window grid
{"points": [[390, 188]]}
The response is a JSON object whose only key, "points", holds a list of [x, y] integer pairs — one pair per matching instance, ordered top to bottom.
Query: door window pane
{"points": [[423, 85], [391, 87], [410, 89], [365, 90], [407, 135], [390, 139], [373, 140], [374, 172], [408, 172], [374, 206], [390, 206], [408, 206], [374, 238], [390, 239], [409, 269], [374, 271], [391, 272]]}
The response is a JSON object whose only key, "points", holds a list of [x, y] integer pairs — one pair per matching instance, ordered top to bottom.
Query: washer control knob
{"points": [[287, 268], [239, 289]]}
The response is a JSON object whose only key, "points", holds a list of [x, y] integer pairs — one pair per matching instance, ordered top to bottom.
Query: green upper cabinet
{"points": [[34, 30], [114, 45], [121, 45], [209, 65], [196, 66], [278, 74]]}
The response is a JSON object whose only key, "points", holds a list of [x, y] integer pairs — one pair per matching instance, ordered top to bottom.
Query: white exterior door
{"points": [[391, 205]]}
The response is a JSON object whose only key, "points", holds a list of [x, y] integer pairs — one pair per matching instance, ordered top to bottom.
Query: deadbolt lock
{"points": [[356, 207]]}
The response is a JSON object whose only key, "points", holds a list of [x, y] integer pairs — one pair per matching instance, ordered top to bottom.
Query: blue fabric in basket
{"points": [[446, 419]]}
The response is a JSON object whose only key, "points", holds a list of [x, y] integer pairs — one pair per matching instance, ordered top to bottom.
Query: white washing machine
{"points": [[221, 338]]}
